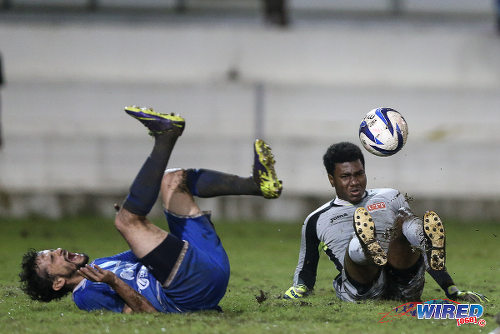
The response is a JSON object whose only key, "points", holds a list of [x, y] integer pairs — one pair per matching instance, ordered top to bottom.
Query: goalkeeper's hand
{"points": [[295, 292], [468, 296]]}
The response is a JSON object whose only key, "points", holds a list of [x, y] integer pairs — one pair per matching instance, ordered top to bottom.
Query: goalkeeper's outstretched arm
{"points": [[305, 272], [443, 278]]}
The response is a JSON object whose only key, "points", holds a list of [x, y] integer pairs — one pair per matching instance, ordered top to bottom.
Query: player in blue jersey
{"points": [[380, 248], [185, 269]]}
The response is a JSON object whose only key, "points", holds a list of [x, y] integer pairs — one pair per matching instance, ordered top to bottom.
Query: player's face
{"points": [[349, 180], [60, 263]]}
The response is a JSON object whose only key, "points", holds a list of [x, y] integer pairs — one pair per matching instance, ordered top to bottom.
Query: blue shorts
{"points": [[200, 233], [202, 277]]}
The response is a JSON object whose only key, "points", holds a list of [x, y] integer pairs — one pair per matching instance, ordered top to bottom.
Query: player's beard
{"points": [[84, 262]]}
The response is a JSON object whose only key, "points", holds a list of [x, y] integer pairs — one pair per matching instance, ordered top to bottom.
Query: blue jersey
{"points": [[199, 282], [196, 285]]}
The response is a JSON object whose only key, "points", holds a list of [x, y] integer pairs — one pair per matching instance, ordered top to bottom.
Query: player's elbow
{"points": [[146, 308], [127, 310]]}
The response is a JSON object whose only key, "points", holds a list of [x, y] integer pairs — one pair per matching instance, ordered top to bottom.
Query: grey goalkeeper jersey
{"points": [[332, 225]]}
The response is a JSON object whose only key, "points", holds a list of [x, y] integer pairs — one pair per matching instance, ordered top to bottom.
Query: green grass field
{"points": [[263, 258]]}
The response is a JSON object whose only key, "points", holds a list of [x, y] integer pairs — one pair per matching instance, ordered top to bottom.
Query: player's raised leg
{"points": [[263, 181], [175, 194], [188, 222], [364, 227], [141, 235], [412, 235], [406, 240], [364, 254]]}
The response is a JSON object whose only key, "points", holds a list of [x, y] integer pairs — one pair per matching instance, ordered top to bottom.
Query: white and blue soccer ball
{"points": [[383, 132]]}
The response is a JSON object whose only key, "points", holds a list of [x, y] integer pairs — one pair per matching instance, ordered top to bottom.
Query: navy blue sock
{"points": [[211, 183], [146, 186], [442, 278]]}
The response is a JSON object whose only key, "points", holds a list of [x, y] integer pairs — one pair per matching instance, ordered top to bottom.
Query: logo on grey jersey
{"points": [[376, 206], [338, 217]]}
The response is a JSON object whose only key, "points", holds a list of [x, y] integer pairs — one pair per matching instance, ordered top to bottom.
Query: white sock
{"points": [[413, 230], [356, 252]]}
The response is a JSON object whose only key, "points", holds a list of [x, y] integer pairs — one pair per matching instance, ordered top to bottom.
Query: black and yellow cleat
{"points": [[156, 122], [263, 172], [364, 227], [436, 240], [296, 292]]}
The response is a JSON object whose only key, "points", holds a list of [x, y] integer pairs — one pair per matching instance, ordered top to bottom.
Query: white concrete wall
{"points": [[359, 53], [67, 83]]}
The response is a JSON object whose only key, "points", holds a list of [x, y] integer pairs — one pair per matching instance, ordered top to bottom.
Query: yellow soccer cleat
{"points": [[156, 122], [263, 170], [364, 227], [434, 234]]}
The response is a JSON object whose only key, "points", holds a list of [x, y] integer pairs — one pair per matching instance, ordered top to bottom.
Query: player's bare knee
{"points": [[173, 181], [176, 195]]}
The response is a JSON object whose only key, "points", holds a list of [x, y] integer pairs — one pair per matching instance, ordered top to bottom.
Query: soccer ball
{"points": [[383, 132]]}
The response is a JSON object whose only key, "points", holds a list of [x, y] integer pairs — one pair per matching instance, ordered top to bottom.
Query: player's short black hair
{"points": [[341, 152], [35, 286]]}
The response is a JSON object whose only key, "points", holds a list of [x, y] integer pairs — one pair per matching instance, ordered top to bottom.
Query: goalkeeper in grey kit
{"points": [[380, 248]]}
